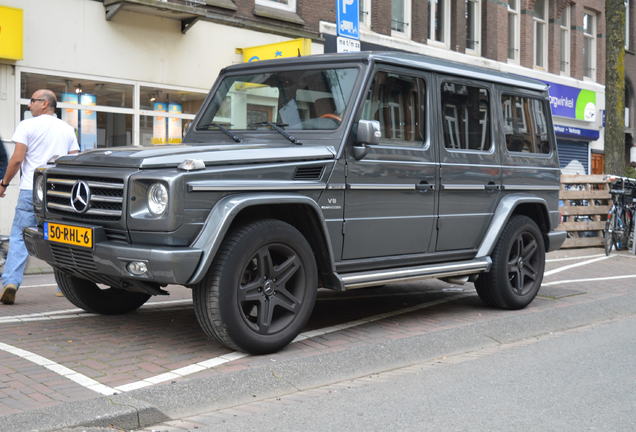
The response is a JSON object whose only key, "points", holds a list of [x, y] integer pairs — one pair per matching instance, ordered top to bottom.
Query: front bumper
{"points": [[106, 262]]}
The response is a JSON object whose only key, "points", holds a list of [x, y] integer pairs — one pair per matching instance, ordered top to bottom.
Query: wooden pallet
{"points": [[584, 197]]}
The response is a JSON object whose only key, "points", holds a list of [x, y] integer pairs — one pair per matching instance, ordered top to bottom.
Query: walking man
{"points": [[36, 140]]}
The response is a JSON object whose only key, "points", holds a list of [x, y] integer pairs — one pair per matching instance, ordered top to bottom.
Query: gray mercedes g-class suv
{"points": [[337, 171]]}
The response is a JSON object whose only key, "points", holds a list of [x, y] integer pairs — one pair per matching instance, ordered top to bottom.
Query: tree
{"points": [[615, 87]]}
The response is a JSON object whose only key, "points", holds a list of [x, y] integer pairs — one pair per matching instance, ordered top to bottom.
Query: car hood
{"points": [[172, 156]]}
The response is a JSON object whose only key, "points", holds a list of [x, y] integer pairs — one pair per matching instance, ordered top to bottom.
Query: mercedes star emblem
{"points": [[80, 196]]}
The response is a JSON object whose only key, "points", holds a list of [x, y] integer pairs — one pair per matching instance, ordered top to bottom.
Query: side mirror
{"points": [[368, 133]]}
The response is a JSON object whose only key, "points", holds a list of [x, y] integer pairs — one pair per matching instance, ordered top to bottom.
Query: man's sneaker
{"points": [[8, 294]]}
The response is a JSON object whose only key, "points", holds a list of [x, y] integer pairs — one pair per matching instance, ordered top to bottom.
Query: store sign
{"points": [[348, 18], [10, 33], [291, 48], [572, 102], [573, 132]]}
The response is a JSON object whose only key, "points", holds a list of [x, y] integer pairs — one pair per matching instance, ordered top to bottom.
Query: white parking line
{"points": [[573, 258], [571, 266], [588, 280], [79, 313], [217, 361], [77, 377]]}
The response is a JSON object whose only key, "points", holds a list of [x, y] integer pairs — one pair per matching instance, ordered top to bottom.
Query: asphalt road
{"points": [[62, 368], [574, 380]]}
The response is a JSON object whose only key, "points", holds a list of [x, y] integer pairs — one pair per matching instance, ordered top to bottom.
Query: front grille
{"points": [[106, 197], [117, 235], [69, 257]]}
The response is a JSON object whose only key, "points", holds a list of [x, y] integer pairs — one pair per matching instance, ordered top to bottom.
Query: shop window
{"points": [[68, 89], [395, 101], [108, 113], [466, 122], [525, 124]]}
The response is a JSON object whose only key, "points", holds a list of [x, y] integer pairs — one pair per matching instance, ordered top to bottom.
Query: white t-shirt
{"points": [[45, 136]]}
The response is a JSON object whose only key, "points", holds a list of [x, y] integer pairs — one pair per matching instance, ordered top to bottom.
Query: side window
{"points": [[395, 101], [466, 117], [525, 124]]}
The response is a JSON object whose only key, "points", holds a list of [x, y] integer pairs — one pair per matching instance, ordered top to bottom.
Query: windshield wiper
{"points": [[278, 127], [223, 129]]}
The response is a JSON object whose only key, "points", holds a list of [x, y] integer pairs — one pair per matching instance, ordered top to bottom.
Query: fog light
{"points": [[137, 268]]}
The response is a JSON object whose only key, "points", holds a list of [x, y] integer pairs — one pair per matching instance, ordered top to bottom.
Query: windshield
{"points": [[293, 100]]}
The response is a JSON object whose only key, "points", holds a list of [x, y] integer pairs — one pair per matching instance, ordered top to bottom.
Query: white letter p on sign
{"points": [[346, 3]]}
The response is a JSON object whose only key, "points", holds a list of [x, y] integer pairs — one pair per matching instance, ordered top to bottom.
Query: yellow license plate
{"points": [[68, 234]]}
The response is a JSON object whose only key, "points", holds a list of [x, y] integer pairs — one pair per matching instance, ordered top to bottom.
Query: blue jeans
{"points": [[17, 256]]}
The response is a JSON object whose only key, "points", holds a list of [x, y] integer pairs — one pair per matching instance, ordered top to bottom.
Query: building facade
{"points": [[134, 72]]}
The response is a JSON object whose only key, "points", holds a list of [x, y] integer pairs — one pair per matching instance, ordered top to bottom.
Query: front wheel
{"points": [[608, 236], [517, 268], [260, 290], [88, 296]]}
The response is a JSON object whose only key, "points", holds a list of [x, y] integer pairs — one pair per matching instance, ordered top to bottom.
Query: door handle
{"points": [[424, 186], [491, 187]]}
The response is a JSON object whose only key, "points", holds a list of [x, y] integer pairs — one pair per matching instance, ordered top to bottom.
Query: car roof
{"points": [[398, 58]]}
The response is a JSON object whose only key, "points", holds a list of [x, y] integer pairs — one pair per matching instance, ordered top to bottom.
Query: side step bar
{"points": [[404, 274]]}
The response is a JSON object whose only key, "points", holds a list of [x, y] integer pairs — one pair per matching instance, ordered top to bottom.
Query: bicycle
{"points": [[620, 218]]}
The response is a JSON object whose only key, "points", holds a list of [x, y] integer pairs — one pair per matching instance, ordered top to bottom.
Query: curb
{"points": [[274, 376]]}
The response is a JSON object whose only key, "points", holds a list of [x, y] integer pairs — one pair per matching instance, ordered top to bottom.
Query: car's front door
{"points": [[390, 204]]}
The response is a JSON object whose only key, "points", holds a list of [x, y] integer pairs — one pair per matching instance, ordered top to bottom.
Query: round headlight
{"points": [[39, 189], [157, 199]]}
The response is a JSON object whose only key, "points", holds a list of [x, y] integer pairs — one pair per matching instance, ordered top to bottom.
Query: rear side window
{"points": [[396, 101], [466, 111], [525, 124]]}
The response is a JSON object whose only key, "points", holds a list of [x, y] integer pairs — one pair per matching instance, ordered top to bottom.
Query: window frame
{"points": [[290, 6], [365, 10], [406, 10], [515, 13], [446, 22], [544, 23], [591, 38], [476, 51], [565, 58], [424, 83], [491, 111], [546, 111]]}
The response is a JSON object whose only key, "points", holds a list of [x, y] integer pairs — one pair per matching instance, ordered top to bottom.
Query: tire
{"points": [[518, 262], [260, 289], [88, 296]]}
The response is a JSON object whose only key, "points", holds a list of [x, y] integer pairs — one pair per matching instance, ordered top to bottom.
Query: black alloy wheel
{"points": [[518, 261], [260, 289]]}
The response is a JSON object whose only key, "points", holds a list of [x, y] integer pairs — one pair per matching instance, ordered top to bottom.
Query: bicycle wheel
{"points": [[608, 233]]}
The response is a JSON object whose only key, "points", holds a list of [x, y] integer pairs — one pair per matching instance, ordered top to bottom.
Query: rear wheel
{"points": [[517, 268], [260, 290], [88, 296]]}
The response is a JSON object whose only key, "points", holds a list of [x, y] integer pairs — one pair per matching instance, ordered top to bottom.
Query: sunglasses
{"points": [[37, 99]]}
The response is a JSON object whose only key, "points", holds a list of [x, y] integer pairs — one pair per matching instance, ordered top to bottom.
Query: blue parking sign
{"points": [[348, 18]]}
